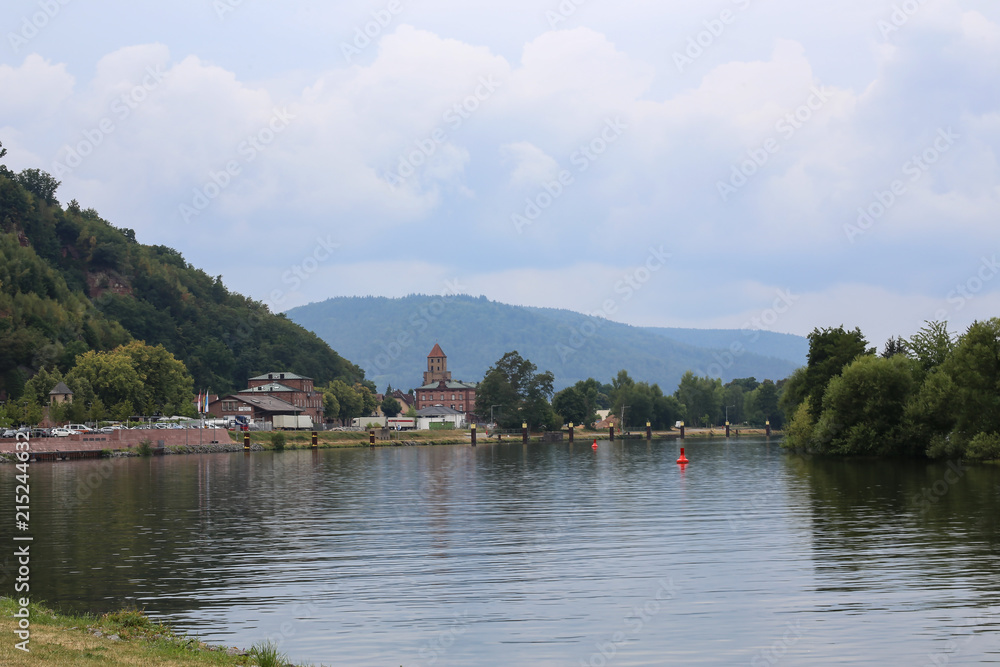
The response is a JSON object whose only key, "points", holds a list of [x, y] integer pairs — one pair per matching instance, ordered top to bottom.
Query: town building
{"points": [[440, 390], [60, 394], [272, 394], [261, 407], [439, 417]]}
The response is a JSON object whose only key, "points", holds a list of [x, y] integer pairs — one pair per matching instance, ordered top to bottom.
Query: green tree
{"points": [[40, 184], [931, 345], [830, 350], [973, 368], [147, 376], [38, 387], [523, 393], [701, 398], [350, 402], [571, 405], [331, 406], [391, 407], [865, 408]]}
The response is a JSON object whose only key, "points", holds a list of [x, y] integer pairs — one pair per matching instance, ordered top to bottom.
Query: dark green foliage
{"points": [[40, 184], [70, 282], [829, 351], [523, 394], [937, 397], [390, 407]]}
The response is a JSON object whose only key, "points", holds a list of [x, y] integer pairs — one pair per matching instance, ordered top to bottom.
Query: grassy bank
{"points": [[118, 638]]}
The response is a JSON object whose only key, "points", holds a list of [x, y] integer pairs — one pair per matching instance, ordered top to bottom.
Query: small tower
{"points": [[437, 366]]}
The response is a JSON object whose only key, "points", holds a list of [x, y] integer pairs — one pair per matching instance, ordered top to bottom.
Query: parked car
{"points": [[79, 428], [62, 432], [10, 433], [40, 433]]}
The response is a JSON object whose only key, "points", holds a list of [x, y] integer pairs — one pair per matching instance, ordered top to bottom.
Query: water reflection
{"points": [[561, 554]]}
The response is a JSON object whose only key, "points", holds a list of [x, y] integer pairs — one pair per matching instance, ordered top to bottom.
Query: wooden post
{"points": [[727, 429], [682, 430], [649, 431], [611, 432], [524, 433], [571, 433], [473, 435], [315, 441]]}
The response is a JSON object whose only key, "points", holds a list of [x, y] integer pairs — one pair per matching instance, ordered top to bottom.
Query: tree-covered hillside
{"points": [[71, 282], [390, 339]]}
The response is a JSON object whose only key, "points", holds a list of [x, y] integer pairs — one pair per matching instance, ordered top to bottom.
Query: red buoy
{"points": [[594, 446], [683, 459]]}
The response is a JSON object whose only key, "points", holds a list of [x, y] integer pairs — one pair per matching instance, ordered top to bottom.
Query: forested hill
{"points": [[71, 282], [475, 333]]}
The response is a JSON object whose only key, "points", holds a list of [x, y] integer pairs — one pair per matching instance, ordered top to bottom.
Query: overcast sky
{"points": [[538, 152]]}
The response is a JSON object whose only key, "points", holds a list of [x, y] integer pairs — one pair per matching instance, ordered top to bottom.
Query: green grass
{"points": [[126, 637]]}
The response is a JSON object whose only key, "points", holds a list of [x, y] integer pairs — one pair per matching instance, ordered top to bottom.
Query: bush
{"points": [[278, 441], [984, 447], [145, 448]]}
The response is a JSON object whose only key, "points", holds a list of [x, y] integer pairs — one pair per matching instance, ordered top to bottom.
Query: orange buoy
{"points": [[594, 446], [683, 460]]}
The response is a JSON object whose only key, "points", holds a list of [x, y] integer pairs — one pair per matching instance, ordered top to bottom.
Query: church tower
{"points": [[437, 366]]}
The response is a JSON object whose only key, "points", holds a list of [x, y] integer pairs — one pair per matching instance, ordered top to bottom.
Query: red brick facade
{"points": [[440, 389]]}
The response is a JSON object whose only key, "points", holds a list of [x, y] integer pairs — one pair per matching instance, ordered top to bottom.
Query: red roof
{"points": [[437, 352]]}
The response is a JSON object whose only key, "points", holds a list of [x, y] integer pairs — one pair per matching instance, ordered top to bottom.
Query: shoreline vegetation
{"points": [[261, 441], [123, 637]]}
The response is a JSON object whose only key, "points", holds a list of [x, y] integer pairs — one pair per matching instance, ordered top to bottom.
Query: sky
{"points": [[736, 163]]}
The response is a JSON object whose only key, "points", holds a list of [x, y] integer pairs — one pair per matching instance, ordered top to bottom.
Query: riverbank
{"points": [[176, 443], [118, 638]]}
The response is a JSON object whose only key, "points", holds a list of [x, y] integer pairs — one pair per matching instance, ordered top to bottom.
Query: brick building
{"points": [[440, 390], [271, 394]]}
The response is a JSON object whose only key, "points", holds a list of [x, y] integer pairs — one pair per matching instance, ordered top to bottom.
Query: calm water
{"points": [[539, 555]]}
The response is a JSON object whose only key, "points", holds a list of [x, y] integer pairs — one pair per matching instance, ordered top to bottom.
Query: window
{"points": [[453, 397], [461, 406]]}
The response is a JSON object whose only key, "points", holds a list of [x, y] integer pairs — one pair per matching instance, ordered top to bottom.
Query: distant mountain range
{"points": [[390, 340]]}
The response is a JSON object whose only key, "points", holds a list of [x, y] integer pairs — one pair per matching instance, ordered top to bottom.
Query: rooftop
{"points": [[437, 352], [280, 376], [450, 384], [271, 386], [61, 389], [267, 403]]}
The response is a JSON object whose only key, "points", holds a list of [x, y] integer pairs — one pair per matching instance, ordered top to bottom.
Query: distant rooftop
{"points": [[437, 352], [280, 376], [449, 384], [61, 390]]}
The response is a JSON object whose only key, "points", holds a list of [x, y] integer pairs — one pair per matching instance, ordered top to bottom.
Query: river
{"points": [[534, 555]]}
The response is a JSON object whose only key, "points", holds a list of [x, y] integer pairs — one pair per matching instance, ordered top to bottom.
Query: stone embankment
{"points": [[158, 439]]}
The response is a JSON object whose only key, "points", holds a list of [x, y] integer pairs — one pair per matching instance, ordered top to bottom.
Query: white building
{"points": [[439, 414]]}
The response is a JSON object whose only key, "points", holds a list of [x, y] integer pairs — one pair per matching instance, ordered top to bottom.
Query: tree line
{"points": [[514, 392], [935, 394]]}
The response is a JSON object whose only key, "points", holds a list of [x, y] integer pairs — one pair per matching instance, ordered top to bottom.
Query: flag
{"points": [[206, 401], [198, 404]]}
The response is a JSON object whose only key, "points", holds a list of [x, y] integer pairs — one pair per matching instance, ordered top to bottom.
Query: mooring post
{"points": [[767, 427], [727, 429], [682, 430], [649, 431], [611, 432], [524, 433], [571, 433], [473, 435], [371, 437], [246, 441], [315, 442]]}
